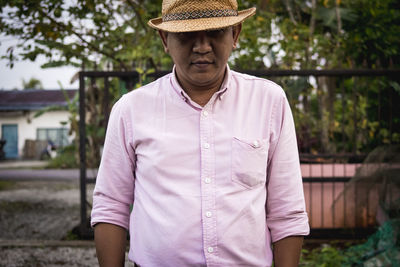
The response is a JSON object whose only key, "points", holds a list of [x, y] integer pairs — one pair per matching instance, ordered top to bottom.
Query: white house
{"points": [[18, 122]]}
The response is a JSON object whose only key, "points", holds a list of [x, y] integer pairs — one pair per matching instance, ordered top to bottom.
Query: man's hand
{"points": [[110, 242], [287, 251]]}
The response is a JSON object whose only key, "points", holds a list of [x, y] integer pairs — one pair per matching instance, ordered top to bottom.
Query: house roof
{"points": [[17, 100]]}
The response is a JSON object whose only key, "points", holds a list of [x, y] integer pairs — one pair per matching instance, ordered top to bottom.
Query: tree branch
{"points": [[263, 4], [290, 11], [313, 16], [139, 17], [338, 17], [311, 32], [80, 37]]}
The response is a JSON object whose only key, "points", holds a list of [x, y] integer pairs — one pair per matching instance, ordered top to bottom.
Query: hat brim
{"points": [[202, 24]]}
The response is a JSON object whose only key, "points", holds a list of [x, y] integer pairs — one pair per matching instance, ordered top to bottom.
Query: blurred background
{"points": [[65, 63]]}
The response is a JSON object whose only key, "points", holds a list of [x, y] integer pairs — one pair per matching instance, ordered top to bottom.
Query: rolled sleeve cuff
{"points": [[107, 210], [284, 227]]}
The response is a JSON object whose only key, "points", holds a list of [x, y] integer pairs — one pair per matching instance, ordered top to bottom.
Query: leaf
{"points": [[53, 64], [139, 70], [395, 85], [48, 109]]}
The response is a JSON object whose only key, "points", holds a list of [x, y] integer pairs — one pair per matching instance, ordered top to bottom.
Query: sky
{"points": [[12, 78]]}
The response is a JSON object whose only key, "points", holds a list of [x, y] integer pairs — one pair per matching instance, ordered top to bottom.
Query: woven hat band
{"points": [[199, 14]]}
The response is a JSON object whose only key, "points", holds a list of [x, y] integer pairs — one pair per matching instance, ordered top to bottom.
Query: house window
{"points": [[59, 136]]}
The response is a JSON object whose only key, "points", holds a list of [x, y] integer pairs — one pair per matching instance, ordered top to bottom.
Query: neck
{"points": [[202, 94], [201, 97]]}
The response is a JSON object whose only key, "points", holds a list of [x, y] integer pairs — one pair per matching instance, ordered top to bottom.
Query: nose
{"points": [[202, 43]]}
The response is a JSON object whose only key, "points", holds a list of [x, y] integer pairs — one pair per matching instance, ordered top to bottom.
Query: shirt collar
{"points": [[182, 94]]}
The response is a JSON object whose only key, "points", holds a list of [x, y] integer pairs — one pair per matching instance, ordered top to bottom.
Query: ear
{"points": [[235, 33], [164, 37]]}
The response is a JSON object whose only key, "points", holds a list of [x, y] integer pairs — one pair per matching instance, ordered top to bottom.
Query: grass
{"points": [[6, 185], [71, 235]]}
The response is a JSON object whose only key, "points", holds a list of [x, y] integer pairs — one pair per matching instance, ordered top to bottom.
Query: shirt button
{"points": [[205, 113], [256, 144], [206, 145], [207, 180], [208, 214], [210, 249]]}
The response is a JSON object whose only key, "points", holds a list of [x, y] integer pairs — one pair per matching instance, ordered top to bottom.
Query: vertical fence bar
{"points": [[129, 85], [106, 101], [379, 113], [391, 114], [354, 116], [343, 120], [355, 122], [345, 137], [82, 152], [333, 194], [390, 195], [322, 196], [311, 198], [344, 204]]}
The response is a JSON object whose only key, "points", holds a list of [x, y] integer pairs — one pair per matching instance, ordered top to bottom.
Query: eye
{"points": [[216, 33], [183, 36]]}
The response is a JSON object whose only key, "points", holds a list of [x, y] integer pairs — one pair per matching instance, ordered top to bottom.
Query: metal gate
{"points": [[320, 188]]}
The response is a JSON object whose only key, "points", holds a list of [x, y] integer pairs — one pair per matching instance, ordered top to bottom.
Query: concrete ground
{"points": [[12, 164], [35, 170], [38, 210], [49, 254]]}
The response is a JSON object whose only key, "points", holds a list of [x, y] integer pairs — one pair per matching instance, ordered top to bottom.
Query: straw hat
{"points": [[199, 15]]}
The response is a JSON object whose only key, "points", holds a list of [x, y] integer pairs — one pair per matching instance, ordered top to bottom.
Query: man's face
{"points": [[201, 57]]}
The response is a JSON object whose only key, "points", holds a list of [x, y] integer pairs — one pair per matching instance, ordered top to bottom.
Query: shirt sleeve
{"points": [[114, 190], [285, 206]]}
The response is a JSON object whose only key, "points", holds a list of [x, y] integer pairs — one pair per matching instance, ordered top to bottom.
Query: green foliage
{"points": [[90, 32], [104, 33], [375, 42], [32, 83], [331, 114], [73, 123], [65, 159], [71, 235], [385, 242], [381, 249], [327, 256]]}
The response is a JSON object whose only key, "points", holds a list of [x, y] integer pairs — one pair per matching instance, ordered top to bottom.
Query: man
{"points": [[207, 156]]}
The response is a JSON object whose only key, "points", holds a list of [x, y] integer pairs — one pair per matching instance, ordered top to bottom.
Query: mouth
{"points": [[202, 63]]}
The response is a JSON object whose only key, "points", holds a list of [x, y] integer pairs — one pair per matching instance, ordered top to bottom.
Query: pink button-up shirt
{"points": [[210, 186]]}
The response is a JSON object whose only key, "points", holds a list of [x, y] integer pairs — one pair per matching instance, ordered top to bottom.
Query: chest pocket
{"points": [[249, 162]]}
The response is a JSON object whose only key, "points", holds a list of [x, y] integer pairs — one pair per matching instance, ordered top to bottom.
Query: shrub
{"points": [[65, 159]]}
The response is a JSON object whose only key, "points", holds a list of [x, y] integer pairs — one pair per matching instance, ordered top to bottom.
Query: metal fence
{"points": [[331, 201]]}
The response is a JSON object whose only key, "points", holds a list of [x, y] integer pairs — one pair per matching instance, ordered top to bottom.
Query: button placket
{"points": [[208, 186]]}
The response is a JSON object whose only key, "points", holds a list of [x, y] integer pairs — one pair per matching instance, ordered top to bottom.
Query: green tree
{"points": [[90, 34], [100, 34], [288, 34], [329, 34], [32, 83]]}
